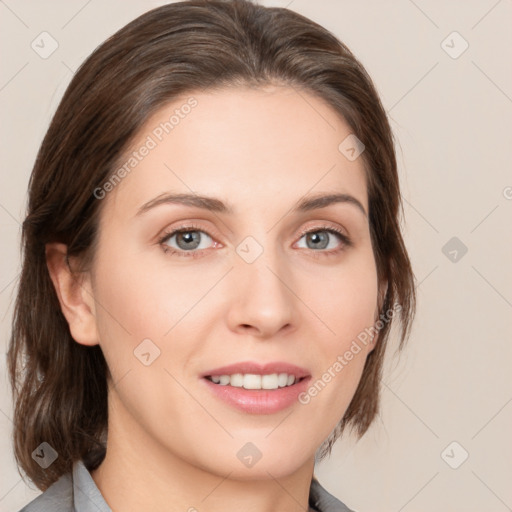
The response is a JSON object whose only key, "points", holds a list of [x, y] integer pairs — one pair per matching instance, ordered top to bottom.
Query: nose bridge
{"points": [[263, 298]]}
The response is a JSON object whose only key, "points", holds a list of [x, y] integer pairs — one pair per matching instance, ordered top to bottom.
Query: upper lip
{"points": [[258, 369]]}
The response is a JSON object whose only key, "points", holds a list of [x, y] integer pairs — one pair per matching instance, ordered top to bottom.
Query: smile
{"points": [[254, 381]]}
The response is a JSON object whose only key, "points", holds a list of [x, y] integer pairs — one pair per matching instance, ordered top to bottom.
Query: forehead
{"points": [[243, 144]]}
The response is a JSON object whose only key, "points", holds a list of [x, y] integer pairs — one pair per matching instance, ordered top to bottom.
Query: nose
{"points": [[262, 302]]}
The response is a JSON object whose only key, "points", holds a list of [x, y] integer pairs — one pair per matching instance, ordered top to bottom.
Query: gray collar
{"points": [[87, 496]]}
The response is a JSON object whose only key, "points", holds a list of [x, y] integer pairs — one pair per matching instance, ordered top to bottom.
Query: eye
{"points": [[185, 239], [320, 239], [191, 241]]}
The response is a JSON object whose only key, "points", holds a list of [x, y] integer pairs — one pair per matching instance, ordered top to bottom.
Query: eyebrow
{"points": [[216, 205]]}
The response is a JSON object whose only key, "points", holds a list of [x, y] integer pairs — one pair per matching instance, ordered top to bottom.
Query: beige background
{"points": [[453, 119]]}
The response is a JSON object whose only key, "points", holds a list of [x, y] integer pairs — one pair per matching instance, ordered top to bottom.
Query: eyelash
{"points": [[346, 242]]}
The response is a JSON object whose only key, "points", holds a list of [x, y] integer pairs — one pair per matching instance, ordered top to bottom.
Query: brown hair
{"points": [[60, 386]]}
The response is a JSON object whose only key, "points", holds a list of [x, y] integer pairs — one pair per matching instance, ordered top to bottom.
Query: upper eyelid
{"points": [[326, 226]]}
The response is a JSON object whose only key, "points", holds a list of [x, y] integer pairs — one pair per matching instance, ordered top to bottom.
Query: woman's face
{"points": [[241, 284]]}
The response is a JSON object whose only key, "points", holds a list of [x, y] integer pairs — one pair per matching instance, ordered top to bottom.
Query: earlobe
{"points": [[75, 295]]}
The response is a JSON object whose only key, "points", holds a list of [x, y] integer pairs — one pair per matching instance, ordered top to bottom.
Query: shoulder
{"points": [[57, 498], [322, 501]]}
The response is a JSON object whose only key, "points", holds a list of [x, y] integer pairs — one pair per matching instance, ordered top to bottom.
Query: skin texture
{"points": [[174, 443]]}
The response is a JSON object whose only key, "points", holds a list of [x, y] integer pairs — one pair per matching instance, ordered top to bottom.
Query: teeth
{"points": [[224, 379], [236, 380], [282, 380], [253, 381]]}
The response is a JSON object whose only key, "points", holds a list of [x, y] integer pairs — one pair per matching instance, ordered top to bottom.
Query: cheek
{"points": [[138, 298], [349, 300], [348, 307], [133, 312], [136, 322]]}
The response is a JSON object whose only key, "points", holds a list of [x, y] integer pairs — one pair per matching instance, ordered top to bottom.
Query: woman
{"points": [[212, 264]]}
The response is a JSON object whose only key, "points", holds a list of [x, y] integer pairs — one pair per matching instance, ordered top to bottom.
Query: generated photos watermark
{"points": [[152, 140], [362, 339]]}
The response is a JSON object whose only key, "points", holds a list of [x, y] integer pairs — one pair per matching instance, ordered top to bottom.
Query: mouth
{"points": [[257, 388]]}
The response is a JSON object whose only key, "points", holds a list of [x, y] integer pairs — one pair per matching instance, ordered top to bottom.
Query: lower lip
{"points": [[259, 401]]}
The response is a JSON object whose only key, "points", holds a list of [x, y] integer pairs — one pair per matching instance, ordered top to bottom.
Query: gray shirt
{"points": [[77, 492]]}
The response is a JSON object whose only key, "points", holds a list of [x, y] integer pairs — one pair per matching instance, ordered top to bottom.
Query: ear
{"points": [[383, 290], [75, 295]]}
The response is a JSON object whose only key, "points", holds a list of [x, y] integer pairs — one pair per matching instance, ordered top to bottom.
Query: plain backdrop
{"points": [[444, 72]]}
